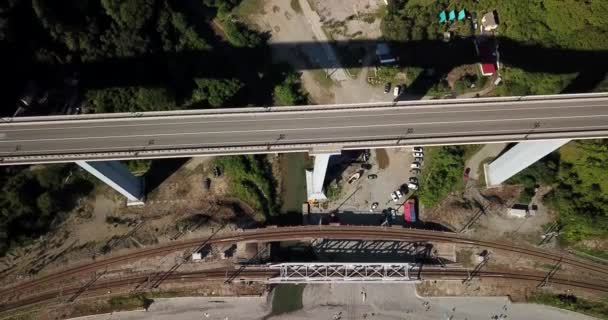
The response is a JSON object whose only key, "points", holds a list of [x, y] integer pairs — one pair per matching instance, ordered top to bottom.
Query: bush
{"points": [[240, 36], [214, 91], [290, 92], [442, 173], [576, 173], [251, 181], [33, 198], [572, 303]]}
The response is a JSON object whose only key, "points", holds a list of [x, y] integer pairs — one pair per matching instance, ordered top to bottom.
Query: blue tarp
{"points": [[452, 15], [461, 15], [442, 17]]}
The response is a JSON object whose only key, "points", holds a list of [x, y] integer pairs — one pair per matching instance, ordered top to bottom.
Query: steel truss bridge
{"points": [[343, 272]]}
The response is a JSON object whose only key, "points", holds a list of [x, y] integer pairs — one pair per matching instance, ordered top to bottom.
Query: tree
{"points": [[215, 92], [290, 92]]}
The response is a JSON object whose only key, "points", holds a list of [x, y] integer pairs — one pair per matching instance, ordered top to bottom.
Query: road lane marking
{"points": [[159, 122], [417, 124], [141, 148]]}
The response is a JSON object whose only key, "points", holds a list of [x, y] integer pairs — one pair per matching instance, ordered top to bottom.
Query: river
{"points": [[293, 180]]}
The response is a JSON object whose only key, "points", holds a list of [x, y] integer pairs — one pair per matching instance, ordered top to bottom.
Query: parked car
{"points": [[387, 87], [397, 91], [417, 149], [419, 154], [366, 155], [418, 159], [415, 165], [366, 166], [217, 171], [415, 171], [467, 171], [372, 176], [355, 177], [413, 180], [206, 183], [412, 186], [399, 194], [394, 197], [373, 207]]}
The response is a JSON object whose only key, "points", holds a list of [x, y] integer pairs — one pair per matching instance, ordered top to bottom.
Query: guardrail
{"points": [[308, 108]]}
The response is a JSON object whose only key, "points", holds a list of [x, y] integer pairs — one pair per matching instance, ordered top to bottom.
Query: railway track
{"points": [[307, 232], [63, 295]]}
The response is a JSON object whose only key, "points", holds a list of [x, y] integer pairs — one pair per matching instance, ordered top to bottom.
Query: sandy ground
{"points": [[288, 26], [489, 150], [360, 195], [179, 208], [348, 301]]}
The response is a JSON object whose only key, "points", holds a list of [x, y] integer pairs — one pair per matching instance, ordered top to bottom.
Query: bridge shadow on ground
{"points": [[171, 69], [366, 218], [348, 250]]}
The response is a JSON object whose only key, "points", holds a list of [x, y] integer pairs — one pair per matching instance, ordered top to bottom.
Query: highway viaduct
{"points": [[540, 124]]}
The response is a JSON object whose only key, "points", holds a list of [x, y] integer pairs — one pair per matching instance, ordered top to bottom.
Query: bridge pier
{"points": [[518, 158], [117, 176], [316, 177]]}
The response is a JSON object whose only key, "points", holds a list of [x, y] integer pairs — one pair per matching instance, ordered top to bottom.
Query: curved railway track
{"points": [[307, 232], [101, 287]]}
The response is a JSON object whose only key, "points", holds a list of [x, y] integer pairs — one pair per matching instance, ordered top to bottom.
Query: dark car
{"points": [[387, 87], [366, 166], [467, 171], [372, 176], [413, 180], [206, 183]]}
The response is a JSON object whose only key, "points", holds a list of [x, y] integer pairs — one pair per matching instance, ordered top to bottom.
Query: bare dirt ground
{"points": [[286, 25], [392, 169], [179, 208], [351, 301]]}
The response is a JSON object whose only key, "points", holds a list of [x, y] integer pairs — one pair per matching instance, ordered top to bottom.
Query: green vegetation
{"points": [[295, 6], [568, 24], [128, 55], [290, 91], [214, 92], [138, 167], [541, 172], [442, 173], [251, 181], [334, 191], [579, 192], [581, 195], [34, 198], [287, 298], [572, 303]]}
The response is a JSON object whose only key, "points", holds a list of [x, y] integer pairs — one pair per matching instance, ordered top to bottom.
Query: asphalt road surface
{"points": [[278, 130]]}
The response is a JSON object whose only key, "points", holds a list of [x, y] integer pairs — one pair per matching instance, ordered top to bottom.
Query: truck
{"points": [[409, 210]]}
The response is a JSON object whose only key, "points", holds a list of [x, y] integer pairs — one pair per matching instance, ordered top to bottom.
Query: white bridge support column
{"points": [[518, 158], [117, 176], [316, 177]]}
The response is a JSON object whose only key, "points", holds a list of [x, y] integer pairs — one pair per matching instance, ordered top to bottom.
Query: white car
{"points": [[397, 91], [417, 149], [418, 154], [415, 165], [412, 186], [399, 194], [394, 197], [373, 207]]}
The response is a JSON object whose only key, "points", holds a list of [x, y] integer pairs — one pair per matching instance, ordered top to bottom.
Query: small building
{"points": [[489, 21], [383, 52], [488, 59], [522, 211]]}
